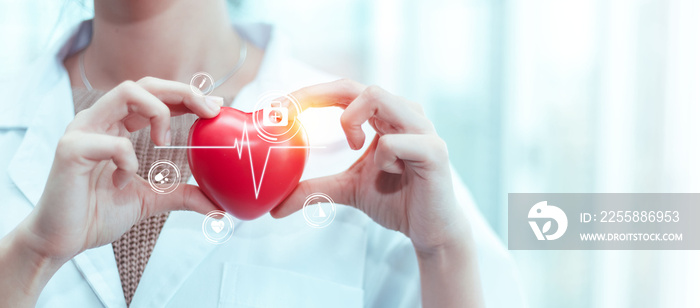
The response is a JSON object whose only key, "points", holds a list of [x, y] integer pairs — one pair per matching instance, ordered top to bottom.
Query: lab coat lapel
{"points": [[46, 93], [31, 164], [29, 168]]}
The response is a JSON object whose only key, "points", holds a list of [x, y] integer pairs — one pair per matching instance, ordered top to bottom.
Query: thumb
{"points": [[339, 187], [186, 197]]}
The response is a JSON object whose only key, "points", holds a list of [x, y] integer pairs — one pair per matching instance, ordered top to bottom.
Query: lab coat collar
{"points": [[279, 72], [267, 79], [31, 89], [43, 105]]}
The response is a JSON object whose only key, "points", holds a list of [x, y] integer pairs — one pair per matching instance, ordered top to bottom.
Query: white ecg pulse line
{"points": [[239, 147]]}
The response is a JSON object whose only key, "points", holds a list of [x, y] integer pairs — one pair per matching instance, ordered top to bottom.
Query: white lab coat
{"points": [[267, 263]]}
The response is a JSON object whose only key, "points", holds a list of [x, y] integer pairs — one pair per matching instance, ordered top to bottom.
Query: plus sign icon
{"points": [[275, 115]]}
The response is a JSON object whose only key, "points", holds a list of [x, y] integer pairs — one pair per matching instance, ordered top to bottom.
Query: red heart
{"points": [[230, 161]]}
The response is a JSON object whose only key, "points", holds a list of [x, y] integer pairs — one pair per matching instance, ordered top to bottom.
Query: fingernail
{"points": [[214, 102], [284, 102], [168, 138], [352, 144], [123, 184]]}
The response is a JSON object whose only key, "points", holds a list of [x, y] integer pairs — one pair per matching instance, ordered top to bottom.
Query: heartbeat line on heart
{"points": [[245, 140]]}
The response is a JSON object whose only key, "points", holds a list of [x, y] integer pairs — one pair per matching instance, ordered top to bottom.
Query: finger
{"points": [[337, 93], [180, 98], [126, 99], [151, 100], [393, 113], [136, 122], [80, 148], [419, 152], [337, 187], [185, 198]]}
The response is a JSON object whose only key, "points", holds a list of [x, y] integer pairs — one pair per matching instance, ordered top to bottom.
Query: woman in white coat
{"points": [[82, 189]]}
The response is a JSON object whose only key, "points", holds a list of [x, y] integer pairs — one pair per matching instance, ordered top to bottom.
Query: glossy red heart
{"points": [[239, 170]]}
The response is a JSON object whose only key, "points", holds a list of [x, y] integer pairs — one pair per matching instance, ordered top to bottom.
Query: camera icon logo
{"points": [[275, 115]]}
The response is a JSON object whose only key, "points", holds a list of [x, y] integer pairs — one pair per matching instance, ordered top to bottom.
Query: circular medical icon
{"points": [[202, 83], [275, 121], [164, 176], [318, 210], [217, 227]]}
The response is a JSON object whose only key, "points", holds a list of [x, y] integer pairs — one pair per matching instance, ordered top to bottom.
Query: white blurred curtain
{"points": [[560, 96], [603, 96], [680, 143]]}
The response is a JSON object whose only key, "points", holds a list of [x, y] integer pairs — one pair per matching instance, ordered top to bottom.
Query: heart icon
{"points": [[238, 169], [217, 225]]}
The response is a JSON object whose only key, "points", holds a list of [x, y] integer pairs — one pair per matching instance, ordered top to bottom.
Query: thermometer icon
{"points": [[202, 83]]}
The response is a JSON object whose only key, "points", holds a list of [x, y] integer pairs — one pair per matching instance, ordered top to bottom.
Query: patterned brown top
{"points": [[134, 248]]}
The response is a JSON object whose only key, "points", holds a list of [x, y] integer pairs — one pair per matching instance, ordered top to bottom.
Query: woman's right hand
{"points": [[93, 194]]}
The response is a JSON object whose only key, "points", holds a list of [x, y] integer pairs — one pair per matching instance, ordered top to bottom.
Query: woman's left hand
{"points": [[402, 181]]}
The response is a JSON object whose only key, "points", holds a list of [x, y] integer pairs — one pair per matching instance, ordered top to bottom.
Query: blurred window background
{"points": [[531, 96]]}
